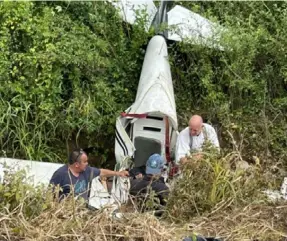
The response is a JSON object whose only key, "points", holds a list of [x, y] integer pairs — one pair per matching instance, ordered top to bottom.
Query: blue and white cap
{"points": [[154, 164]]}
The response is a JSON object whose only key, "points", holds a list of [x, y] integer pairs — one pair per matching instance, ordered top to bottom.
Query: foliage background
{"points": [[67, 69]]}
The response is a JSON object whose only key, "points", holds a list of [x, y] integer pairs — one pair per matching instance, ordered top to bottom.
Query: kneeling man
{"points": [[192, 139], [151, 178]]}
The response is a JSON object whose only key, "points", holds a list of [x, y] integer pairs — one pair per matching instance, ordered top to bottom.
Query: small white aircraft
{"points": [[150, 124]]}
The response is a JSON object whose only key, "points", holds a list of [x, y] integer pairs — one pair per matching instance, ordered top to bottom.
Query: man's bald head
{"points": [[195, 125]]}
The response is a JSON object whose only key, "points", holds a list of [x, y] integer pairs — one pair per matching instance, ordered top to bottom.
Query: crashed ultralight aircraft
{"points": [[150, 124]]}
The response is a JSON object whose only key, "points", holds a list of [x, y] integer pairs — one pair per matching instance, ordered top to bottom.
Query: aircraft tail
{"points": [[161, 18]]}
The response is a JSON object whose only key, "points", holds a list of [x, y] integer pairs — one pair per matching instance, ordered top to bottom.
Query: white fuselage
{"points": [[140, 137]]}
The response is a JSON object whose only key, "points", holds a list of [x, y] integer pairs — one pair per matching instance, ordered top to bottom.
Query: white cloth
{"points": [[183, 141], [99, 196]]}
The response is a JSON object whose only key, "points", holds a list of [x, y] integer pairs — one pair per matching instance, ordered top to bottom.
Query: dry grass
{"points": [[215, 198], [211, 199], [28, 213], [252, 222], [60, 223]]}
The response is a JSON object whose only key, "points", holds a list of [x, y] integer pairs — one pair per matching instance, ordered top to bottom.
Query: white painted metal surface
{"points": [[128, 9], [183, 24], [192, 27], [155, 90], [155, 97], [124, 147], [37, 172], [99, 196]]}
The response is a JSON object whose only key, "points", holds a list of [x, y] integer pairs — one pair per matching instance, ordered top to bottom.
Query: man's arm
{"points": [[213, 138], [182, 148], [110, 173], [56, 179], [56, 183], [162, 192]]}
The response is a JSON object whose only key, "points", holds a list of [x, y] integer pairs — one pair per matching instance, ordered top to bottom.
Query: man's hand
{"points": [[197, 156], [183, 160], [110, 173], [123, 173], [138, 176]]}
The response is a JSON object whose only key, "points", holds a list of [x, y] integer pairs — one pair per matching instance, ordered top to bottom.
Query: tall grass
{"points": [[26, 135], [214, 181]]}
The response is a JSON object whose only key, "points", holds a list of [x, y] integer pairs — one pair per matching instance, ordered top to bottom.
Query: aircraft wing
{"points": [[128, 9], [183, 24], [188, 25], [36, 172]]}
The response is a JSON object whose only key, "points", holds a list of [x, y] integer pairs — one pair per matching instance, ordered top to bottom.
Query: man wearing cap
{"points": [[193, 137], [78, 175], [152, 178]]}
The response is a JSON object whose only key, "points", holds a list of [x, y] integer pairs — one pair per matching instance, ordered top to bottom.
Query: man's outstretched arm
{"points": [[110, 173]]}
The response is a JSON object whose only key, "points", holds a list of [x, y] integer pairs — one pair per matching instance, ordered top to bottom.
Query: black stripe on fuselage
{"points": [[121, 142]]}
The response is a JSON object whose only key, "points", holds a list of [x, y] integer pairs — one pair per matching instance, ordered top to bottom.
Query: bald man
{"points": [[193, 137]]}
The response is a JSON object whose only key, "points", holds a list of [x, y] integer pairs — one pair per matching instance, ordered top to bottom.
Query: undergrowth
{"points": [[210, 198]]}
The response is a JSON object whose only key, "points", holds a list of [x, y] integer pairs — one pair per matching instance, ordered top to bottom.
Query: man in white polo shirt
{"points": [[192, 138]]}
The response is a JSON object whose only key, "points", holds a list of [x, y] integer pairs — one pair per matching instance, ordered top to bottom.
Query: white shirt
{"points": [[183, 141]]}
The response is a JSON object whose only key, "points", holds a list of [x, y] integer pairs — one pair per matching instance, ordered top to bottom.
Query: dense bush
{"points": [[68, 68], [242, 89], [213, 182]]}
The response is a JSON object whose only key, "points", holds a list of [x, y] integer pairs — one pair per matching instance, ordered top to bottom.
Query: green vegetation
{"points": [[67, 69], [217, 181]]}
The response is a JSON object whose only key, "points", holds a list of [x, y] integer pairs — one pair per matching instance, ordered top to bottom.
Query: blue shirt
{"points": [[65, 178]]}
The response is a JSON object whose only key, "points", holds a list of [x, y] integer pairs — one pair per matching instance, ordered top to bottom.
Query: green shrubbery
{"points": [[67, 69], [243, 89], [213, 182], [20, 197]]}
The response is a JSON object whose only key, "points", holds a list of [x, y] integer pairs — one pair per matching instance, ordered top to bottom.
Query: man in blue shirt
{"points": [[77, 175]]}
